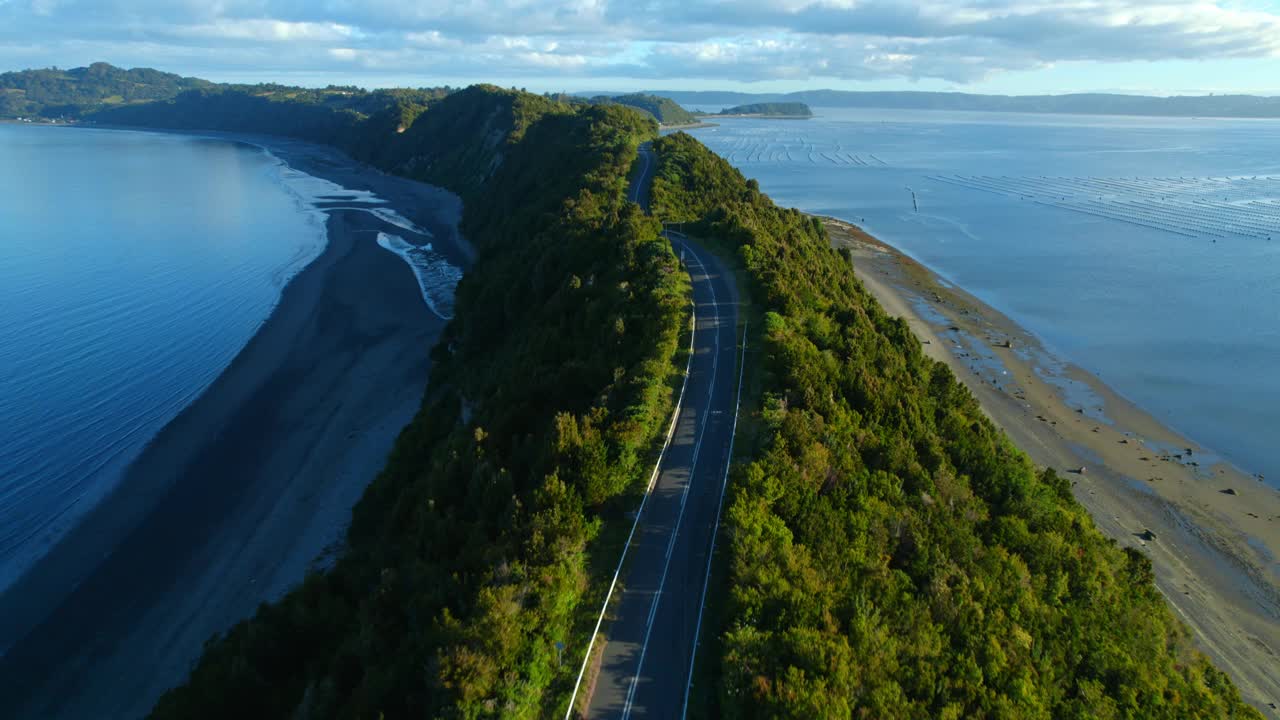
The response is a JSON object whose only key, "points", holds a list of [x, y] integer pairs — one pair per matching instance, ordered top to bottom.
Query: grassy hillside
{"points": [[54, 93], [469, 553], [890, 553]]}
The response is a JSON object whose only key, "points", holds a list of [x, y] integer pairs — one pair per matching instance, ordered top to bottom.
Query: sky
{"points": [[1019, 47]]}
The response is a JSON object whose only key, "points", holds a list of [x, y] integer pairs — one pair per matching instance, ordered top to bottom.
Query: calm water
{"points": [[1145, 250], [133, 267]]}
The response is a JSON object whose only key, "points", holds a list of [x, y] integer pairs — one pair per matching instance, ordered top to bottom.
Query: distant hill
{"points": [[52, 93], [108, 94], [1244, 106], [771, 109], [665, 110], [391, 128]]}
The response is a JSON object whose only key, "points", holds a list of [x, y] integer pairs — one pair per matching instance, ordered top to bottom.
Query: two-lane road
{"points": [[638, 192], [649, 647]]}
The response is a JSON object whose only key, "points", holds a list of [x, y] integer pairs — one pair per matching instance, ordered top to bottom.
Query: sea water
{"points": [[1145, 250], [133, 268]]}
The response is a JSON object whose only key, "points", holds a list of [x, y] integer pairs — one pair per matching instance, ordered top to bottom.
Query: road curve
{"points": [[638, 192], [649, 647]]}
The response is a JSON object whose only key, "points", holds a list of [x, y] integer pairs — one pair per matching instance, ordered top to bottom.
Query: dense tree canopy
{"points": [[100, 90], [56, 93], [664, 110], [890, 554], [468, 555]]}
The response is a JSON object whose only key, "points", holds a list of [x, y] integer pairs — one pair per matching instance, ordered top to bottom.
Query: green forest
{"points": [[53, 93], [108, 94], [664, 110], [334, 115], [365, 124], [469, 553], [889, 553]]}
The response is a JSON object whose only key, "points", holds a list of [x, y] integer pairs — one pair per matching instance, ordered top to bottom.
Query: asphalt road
{"points": [[643, 178], [649, 646]]}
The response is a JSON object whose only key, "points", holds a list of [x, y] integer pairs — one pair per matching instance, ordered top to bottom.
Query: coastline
{"points": [[762, 116], [685, 126], [233, 502], [1212, 531]]}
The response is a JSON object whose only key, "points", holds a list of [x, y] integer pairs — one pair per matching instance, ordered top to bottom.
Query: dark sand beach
{"points": [[251, 486], [1212, 531]]}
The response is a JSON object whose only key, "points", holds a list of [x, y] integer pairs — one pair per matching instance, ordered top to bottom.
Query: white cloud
{"points": [[264, 30], [736, 40]]}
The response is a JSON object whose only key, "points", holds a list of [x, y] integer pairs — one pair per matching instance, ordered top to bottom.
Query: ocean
{"points": [[1144, 250], [134, 266]]}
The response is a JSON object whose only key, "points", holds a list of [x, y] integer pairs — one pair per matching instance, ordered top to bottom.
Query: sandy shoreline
{"points": [[761, 116], [686, 126], [236, 498], [1216, 530]]}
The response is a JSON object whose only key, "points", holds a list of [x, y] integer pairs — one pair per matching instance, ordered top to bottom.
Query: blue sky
{"points": [[992, 46]]}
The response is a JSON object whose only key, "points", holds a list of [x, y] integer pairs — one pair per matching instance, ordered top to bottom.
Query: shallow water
{"points": [[1146, 250], [133, 268]]}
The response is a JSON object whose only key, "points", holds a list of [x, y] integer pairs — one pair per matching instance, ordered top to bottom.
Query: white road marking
{"points": [[635, 193], [675, 417], [653, 478], [675, 533], [706, 580]]}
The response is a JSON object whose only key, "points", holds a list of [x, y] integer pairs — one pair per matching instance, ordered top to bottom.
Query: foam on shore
{"points": [[437, 278]]}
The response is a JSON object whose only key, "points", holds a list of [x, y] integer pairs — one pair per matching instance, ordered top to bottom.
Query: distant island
{"points": [[1241, 106], [767, 110]]}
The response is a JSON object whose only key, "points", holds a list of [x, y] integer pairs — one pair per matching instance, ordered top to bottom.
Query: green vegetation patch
{"points": [[54, 93], [665, 110]]}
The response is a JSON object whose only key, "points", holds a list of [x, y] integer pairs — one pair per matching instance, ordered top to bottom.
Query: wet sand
{"points": [[251, 486], [1216, 529]]}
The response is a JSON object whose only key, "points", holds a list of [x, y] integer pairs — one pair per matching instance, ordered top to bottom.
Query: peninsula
{"points": [[870, 544]]}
